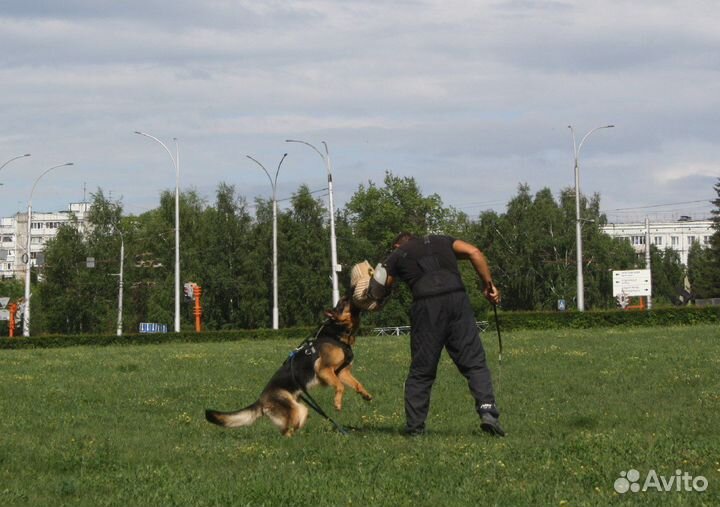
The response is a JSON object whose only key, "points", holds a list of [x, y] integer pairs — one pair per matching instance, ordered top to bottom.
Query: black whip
{"points": [[497, 326]]}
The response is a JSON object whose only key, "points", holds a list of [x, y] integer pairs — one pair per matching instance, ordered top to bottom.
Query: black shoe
{"points": [[491, 425], [417, 432]]}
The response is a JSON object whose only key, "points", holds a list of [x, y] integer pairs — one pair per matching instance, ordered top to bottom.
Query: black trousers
{"points": [[445, 321]]}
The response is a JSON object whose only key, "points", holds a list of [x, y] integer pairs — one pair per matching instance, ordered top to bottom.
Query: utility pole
{"points": [[647, 258]]}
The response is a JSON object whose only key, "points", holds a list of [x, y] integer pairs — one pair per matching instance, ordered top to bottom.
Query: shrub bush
{"points": [[668, 316], [509, 321]]}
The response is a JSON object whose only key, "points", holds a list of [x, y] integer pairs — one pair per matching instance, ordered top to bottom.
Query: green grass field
{"points": [[124, 425]]}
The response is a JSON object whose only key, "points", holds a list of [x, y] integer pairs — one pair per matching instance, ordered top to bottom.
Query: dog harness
{"points": [[311, 348]]}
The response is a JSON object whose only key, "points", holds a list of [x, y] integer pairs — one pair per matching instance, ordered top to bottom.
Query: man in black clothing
{"points": [[441, 316]]}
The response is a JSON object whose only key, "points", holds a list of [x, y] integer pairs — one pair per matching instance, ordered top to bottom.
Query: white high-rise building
{"points": [[44, 226], [678, 236]]}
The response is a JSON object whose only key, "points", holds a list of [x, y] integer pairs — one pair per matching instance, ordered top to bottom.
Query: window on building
{"points": [[36, 225], [7, 239], [638, 240], [674, 240], [691, 240], [706, 240], [658, 241]]}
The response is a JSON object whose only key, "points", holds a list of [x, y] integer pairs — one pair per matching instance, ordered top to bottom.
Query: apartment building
{"points": [[44, 227], [678, 236]]}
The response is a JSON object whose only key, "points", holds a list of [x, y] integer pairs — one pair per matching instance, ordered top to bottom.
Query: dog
{"points": [[323, 360]]}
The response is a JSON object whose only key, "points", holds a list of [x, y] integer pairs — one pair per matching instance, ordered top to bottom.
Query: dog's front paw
{"points": [[367, 396]]}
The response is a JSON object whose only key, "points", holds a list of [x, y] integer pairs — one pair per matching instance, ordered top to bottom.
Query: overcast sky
{"points": [[471, 98]]}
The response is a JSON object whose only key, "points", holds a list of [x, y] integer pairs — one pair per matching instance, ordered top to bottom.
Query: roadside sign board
{"points": [[634, 282], [4, 302]]}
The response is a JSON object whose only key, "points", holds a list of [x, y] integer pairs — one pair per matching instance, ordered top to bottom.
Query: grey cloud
{"points": [[468, 97]]}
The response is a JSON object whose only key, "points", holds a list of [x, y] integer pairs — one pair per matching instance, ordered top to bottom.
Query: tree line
{"points": [[226, 248]]}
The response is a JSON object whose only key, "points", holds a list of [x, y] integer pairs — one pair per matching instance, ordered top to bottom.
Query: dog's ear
{"points": [[330, 314]]}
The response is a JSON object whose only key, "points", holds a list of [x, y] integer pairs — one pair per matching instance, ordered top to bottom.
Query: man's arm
{"points": [[464, 250]]}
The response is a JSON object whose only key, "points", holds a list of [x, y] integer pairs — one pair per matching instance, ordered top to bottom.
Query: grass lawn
{"points": [[124, 425]]}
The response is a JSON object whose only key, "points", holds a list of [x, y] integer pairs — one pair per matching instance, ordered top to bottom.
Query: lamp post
{"points": [[14, 158], [176, 164], [273, 184], [578, 226], [335, 267], [120, 284], [26, 312]]}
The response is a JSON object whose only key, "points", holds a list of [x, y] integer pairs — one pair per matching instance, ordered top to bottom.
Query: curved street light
{"points": [[14, 158], [176, 164], [273, 184], [578, 226], [335, 267], [121, 281], [26, 311]]}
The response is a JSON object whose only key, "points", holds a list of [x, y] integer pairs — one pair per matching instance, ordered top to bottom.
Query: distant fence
{"points": [[708, 302], [152, 327], [403, 330]]}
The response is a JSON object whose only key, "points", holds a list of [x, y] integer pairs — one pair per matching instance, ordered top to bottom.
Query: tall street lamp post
{"points": [[14, 158], [176, 163], [273, 184], [578, 225], [335, 267], [120, 282], [26, 311]]}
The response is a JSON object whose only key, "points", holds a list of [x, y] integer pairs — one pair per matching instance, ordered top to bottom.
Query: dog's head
{"points": [[346, 316]]}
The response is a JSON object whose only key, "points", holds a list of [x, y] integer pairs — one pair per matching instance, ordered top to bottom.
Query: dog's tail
{"points": [[243, 417]]}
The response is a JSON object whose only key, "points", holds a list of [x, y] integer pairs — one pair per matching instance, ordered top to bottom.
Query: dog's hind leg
{"points": [[285, 412], [299, 415]]}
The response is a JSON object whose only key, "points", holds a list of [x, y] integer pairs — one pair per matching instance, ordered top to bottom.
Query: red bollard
{"points": [[13, 308], [197, 311]]}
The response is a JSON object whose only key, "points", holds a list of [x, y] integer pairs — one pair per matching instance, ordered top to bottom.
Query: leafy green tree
{"points": [[377, 214], [103, 237], [531, 249], [305, 261], [704, 263], [702, 272], [668, 274], [222, 275], [72, 296], [63, 302]]}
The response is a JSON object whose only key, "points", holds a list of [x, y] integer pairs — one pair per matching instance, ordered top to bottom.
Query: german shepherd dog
{"points": [[325, 359]]}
